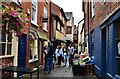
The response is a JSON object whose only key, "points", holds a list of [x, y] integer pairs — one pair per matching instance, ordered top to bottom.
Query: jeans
{"points": [[65, 59], [48, 64]]}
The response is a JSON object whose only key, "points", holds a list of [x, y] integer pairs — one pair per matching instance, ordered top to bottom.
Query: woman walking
{"points": [[59, 54]]}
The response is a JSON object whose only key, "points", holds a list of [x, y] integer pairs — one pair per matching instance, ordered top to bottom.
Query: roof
{"points": [[68, 15]]}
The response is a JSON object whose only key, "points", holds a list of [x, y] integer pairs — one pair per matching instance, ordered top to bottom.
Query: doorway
{"points": [[103, 51], [22, 52]]}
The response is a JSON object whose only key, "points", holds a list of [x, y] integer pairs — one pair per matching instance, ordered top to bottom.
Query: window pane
{"points": [[45, 12], [33, 15], [45, 26], [2, 37], [10, 37], [2, 49], [9, 49], [33, 49]]}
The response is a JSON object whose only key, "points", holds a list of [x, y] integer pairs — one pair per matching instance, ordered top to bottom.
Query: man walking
{"points": [[49, 58]]}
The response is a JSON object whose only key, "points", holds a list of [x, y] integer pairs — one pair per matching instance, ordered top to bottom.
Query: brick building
{"points": [[102, 20], [40, 23], [58, 24], [27, 51]]}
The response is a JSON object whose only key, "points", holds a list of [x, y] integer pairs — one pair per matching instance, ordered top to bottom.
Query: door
{"points": [[103, 51], [22, 52]]}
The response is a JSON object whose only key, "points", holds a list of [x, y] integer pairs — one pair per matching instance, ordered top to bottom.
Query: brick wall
{"points": [[55, 9], [86, 11], [102, 11], [40, 13], [4, 62]]}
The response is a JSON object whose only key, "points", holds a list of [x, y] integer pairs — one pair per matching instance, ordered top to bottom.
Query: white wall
{"points": [[80, 35]]}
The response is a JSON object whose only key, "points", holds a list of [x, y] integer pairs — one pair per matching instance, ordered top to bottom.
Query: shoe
{"points": [[64, 65], [46, 72]]}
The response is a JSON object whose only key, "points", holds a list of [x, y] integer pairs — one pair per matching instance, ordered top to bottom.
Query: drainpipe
{"points": [[50, 22], [88, 30]]}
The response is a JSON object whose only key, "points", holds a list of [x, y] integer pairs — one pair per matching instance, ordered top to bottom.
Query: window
{"points": [[47, 1], [103, 1], [19, 2], [92, 8], [34, 12], [45, 16], [58, 25], [62, 29], [69, 30], [5, 43], [118, 46], [33, 50]]}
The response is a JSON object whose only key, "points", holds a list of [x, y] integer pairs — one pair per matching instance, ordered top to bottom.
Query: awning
{"points": [[34, 34], [43, 36]]}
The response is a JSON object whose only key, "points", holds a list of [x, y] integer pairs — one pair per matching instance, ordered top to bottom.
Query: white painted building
{"points": [[81, 35]]}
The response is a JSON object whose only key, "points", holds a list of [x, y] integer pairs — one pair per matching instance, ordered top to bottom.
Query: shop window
{"points": [[5, 43], [118, 47], [33, 50]]}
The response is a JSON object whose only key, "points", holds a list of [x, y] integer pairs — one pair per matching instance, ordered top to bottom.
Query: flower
{"points": [[7, 19], [12, 20], [1, 25]]}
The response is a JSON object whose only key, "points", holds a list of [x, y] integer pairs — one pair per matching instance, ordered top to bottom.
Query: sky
{"points": [[74, 6]]}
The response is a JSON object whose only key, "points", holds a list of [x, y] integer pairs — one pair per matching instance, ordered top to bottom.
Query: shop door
{"points": [[22, 52]]}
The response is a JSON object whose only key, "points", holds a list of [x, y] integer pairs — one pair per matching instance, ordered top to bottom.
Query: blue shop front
{"points": [[106, 47]]}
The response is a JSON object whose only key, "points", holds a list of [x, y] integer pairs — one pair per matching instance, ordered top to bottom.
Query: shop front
{"points": [[106, 47]]}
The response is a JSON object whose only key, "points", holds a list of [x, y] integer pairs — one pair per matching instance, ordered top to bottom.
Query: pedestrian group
{"points": [[57, 56]]}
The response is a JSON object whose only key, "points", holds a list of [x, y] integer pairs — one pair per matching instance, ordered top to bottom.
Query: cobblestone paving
{"points": [[60, 73]]}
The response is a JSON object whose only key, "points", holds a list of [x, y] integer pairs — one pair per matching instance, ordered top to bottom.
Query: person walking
{"points": [[59, 54], [71, 54], [65, 55], [49, 58]]}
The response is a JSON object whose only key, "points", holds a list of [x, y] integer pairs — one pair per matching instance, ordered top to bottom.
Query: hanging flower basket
{"points": [[12, 20]]}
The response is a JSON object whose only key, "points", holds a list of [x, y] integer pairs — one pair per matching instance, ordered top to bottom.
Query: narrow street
{"points": [[81, 38], [60, 73], [63, 73]]}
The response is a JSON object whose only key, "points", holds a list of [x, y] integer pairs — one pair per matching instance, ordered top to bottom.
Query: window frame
{"points": [[35, 8], [92, 8], [45, 25], [7, 43], [35, 49]]}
